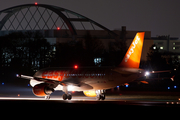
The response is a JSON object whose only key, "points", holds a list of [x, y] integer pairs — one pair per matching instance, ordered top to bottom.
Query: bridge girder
{"points": [[59, 11]]}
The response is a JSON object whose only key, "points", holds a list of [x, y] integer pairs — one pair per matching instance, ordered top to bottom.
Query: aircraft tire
{"points": [[64, 96], [69, 96], [47, 97], [100, 97], [103, 97]]}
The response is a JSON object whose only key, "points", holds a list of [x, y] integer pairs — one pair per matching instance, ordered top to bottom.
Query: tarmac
{"points": [[20, 100], [124, 103]]}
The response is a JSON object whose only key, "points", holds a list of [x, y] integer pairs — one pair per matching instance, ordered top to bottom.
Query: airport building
{"points": [[167, 44]]}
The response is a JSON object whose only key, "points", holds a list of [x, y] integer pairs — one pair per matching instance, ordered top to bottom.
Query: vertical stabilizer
{"points": [[133, 55]]}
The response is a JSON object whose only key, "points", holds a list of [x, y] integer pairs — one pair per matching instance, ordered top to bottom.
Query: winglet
{"points": [[133, 55]]}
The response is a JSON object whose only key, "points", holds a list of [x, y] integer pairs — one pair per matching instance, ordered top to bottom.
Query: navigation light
{"points": [[75, 66]]}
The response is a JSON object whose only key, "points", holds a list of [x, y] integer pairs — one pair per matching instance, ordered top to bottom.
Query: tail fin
{"points": [[133, 55]]}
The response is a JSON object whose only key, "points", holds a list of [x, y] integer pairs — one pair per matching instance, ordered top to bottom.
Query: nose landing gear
{"points": [[100, 95]]}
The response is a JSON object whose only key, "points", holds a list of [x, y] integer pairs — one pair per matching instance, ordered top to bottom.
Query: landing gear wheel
{"points": [[64, 96], [69, 96], [103, 96], [47, 97], [98, 97]]}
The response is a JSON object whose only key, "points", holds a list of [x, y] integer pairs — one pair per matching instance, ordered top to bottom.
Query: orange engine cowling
{"points": [[42, 90]]}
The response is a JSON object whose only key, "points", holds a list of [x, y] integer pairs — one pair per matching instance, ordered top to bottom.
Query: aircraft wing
{"points": [[160, 71], [24, 76], [67, 82], [73, 82]]}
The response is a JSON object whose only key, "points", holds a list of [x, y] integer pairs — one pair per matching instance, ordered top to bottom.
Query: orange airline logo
{"points": [[134, 43], [133, 55]]}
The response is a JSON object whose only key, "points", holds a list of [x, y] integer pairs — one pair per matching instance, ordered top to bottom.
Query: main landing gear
{"points": [[66, 95], [100, 95]]}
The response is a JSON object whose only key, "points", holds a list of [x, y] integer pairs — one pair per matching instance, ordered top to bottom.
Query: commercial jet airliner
{"points": [[93, 81]]}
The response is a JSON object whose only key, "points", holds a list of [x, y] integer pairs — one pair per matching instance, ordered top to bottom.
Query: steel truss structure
{"points": [[46, 17]]}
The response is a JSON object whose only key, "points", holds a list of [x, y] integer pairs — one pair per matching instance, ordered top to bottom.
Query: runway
{"points": [[23, 99], [141, 100], [81, 105]]}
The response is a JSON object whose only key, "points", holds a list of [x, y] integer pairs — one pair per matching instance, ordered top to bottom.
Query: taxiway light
{"points": [[35, 3], [2, 83], [175, 86]]}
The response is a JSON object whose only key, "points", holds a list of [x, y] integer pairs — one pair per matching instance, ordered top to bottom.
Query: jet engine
{"points": [[42, 90], [91, 93]]}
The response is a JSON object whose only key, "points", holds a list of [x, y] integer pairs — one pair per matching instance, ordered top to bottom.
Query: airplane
{"points": [[93, 81]]}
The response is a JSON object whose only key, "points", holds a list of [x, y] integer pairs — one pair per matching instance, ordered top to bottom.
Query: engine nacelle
{"points": [[42, 90], [91, 93]]}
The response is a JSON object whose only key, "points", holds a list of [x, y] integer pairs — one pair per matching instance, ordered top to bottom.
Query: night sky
{"points": [[161, 17]]}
